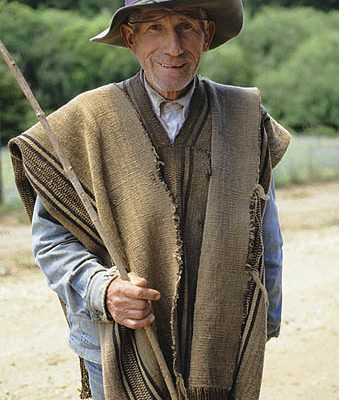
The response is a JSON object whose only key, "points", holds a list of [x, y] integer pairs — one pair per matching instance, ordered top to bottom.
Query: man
{"points": [[179, 170]]}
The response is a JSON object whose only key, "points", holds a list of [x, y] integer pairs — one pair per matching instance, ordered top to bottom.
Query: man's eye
{"points": [[186, 26], [154, 27]]}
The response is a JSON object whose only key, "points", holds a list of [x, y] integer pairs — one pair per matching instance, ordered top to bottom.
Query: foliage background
{"points": [[289, 49], [291, 53]]}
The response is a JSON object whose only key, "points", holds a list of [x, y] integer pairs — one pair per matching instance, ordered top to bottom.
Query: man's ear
{"points": [[209, 33], [128, 35]]}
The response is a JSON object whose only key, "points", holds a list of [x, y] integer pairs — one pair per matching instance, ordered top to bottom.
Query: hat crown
{"points": [[226, 14]]}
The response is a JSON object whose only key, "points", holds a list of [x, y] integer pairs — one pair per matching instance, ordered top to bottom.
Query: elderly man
{"points": [[179, 170]]}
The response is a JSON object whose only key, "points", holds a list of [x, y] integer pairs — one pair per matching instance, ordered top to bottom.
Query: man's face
{"points": [[168, 46]]}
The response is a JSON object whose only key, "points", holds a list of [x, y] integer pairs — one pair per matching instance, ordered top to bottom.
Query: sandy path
{"points": [[35, 361], [304, 362], [36, 364]]}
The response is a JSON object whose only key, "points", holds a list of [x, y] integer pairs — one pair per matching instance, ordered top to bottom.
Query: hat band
{"points": [[132, 2]]}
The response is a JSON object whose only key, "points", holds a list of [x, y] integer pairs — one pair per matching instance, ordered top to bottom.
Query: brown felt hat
{"points": [[227, 15]]}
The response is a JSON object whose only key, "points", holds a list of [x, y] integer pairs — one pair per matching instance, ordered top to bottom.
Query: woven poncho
{"points": [[114, 158]]}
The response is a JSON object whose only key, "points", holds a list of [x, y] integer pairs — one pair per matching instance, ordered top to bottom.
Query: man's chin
{"points": [[169, 87]]}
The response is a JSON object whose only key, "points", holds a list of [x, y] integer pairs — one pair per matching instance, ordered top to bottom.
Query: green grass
{"points": [[309, 160], [11, 196], [10, 207], [11, 210], [13, 214]]}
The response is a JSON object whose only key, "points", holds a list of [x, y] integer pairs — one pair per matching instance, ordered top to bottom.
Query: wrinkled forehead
{"points": [[157, 13]]}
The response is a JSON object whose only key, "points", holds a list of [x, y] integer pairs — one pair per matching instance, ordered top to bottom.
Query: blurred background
{"points": [[290, 50]]}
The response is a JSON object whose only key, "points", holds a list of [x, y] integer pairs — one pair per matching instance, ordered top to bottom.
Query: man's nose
{"points": [[173, 46]]}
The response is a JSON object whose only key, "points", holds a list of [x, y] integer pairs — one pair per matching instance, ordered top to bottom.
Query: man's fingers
{"points": [[142, 293], [128, 303], [120, 314], [138, 314], [137, 324]]}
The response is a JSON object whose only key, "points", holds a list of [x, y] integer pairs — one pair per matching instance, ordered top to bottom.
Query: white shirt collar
{"points": [[157, 100]]}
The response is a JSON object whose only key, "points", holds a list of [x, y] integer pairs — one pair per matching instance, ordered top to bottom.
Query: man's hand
{"points": [[129, 303]]}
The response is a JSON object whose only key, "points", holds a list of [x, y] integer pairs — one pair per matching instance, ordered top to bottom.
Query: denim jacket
{"points": [[80, 280]]}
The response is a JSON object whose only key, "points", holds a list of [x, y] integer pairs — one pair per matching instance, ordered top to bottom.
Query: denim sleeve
{"points": [[273, 264], [74, 273]]}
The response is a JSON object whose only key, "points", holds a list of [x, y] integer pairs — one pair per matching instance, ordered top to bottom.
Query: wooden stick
{"points": [[87, 204]]}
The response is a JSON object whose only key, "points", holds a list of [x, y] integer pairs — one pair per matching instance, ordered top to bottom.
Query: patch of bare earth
{"points": [[35, 361], [304, 362], [36, 364]]}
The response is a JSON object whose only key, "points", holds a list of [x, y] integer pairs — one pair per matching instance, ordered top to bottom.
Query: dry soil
{"points": [[36, 364]]}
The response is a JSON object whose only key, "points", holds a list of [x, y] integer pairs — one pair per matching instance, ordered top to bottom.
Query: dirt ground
{"points": [[36, 364]]}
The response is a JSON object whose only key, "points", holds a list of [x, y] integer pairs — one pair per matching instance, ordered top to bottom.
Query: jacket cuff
{"points": [[96, 298], [273, 331]]}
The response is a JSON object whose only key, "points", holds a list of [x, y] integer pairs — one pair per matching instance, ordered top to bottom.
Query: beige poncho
{"points": [[114, 158]]}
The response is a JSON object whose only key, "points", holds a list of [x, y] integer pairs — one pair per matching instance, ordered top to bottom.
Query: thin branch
{"points": [[87, 204]]}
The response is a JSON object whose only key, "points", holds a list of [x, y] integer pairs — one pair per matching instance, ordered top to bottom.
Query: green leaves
{"points": [[326, 5], [85, 7], [53, 50], [292, 55], [228, 64], [301, 90], [15, 110]]}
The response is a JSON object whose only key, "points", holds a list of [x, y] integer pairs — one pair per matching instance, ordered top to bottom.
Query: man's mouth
{"points": [[171, 66]]}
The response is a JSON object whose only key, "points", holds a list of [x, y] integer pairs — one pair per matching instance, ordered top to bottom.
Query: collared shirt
{"points": [[171, 113], [81, 280]]}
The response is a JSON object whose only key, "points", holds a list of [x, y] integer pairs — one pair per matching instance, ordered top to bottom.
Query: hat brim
{"points": [[227, 15]]}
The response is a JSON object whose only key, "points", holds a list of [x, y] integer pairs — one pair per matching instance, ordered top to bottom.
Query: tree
{"points": [[325, 5], [86, 7], [16, 26], [273, 35], [53, 50], [71, 64], [228, 64], [303, 92], [15, 110]]}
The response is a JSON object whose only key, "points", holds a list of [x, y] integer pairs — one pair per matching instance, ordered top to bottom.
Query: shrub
{"points": [[302, 92]]}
